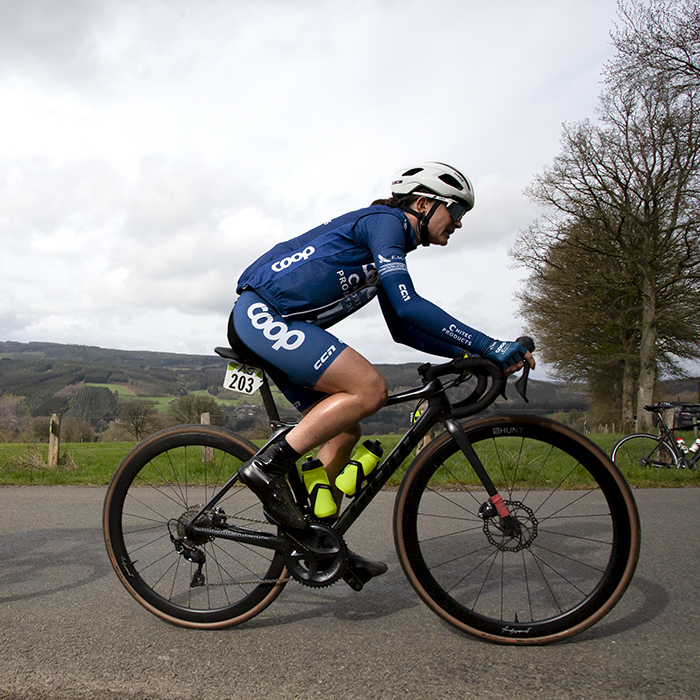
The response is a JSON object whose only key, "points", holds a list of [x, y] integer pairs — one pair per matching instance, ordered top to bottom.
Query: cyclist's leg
{"points": [[334, 385], [355, 390], [336, 453]]}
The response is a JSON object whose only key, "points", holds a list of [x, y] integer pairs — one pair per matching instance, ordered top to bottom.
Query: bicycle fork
{"points": [[511, 527]]}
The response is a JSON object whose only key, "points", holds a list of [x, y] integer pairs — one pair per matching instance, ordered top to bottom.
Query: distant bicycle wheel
{"points": [[642, 450], [578, 531], [207, 581]]}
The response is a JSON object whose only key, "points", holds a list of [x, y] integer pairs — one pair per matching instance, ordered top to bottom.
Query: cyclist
{"points": [[299, 288]]}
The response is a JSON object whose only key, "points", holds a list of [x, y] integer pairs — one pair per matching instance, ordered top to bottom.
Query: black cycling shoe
{"points": [[270, 486], [365, 569]]}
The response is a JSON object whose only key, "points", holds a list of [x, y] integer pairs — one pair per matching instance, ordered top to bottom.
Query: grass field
{"points": [[94, 464]]}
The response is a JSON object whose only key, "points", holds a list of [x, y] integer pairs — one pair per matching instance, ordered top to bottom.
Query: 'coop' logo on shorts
{"points": [[286, 262], [274, 330]]}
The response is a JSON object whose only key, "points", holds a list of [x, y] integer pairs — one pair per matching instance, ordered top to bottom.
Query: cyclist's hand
{"points": [[509, 356]]}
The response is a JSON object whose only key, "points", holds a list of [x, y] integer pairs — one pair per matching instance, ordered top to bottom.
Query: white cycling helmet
{"points": [[434, 178], [437, 181]]}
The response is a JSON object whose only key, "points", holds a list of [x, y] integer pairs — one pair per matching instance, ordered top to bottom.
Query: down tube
{"points": [[378, 478]]}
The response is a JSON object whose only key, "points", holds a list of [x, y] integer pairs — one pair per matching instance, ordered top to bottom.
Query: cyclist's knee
{"points": [[375, 394], [352, 434]]}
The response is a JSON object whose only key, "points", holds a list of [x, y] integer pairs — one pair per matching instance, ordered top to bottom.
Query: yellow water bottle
{"points": [[362, 463], [319, 488]]}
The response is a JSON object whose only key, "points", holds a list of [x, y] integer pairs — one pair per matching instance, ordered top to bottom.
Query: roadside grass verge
{"points": [[94, 464]]}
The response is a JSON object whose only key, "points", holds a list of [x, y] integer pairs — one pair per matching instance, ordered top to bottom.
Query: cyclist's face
{"points": [[441, 226]]}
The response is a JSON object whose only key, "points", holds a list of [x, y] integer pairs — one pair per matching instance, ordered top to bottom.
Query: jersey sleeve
{"points": [[402, 305], [408, 334]]}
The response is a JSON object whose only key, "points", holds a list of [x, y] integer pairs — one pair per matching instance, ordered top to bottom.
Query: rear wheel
{"points": [[641, 450], [578, 539], [203, 581]]}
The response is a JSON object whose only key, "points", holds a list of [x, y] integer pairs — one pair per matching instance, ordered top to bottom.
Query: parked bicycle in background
{"points": [[668, 450]]}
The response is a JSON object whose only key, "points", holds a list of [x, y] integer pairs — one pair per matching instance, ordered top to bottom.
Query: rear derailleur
{"points": [[190, 548]]}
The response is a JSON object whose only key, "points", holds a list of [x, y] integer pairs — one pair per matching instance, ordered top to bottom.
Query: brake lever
{"points": [[521, 384]]}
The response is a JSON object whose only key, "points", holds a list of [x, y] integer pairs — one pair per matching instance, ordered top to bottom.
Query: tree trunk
{"points": [[647, 356], [628, 398]]}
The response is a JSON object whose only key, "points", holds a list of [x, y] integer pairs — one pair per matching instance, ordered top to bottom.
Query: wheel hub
{"points": [[204, 520], [527, 525]]}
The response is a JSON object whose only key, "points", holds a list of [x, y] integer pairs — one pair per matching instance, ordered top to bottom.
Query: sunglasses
{"points": [[455, 209]]}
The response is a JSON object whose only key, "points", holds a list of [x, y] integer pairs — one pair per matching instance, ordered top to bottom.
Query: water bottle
{"points": [[681, 445], [695, 446], [364, 460], [319, 488]]}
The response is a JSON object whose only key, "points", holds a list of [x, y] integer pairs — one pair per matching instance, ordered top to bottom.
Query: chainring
{"points": [[317, 556]]}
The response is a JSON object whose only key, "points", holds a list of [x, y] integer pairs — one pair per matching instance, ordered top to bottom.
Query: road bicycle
{"points": [[662, 451], [513, 528]]}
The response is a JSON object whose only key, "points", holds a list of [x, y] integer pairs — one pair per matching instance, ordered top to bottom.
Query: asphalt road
{"points": [[68, 630]]}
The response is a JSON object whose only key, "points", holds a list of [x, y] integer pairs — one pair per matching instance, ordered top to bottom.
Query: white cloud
{"points": [[156, 147]]}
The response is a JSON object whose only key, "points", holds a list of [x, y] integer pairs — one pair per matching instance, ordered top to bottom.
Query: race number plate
{"points": [[245, 379]]}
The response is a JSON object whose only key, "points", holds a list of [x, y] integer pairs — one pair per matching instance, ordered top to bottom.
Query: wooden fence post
{"points": [[669, 416], [54, 439], [207, 452]]}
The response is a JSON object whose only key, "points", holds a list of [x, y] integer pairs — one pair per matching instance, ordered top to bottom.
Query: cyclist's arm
{"points": [[387, 241], [413, 310], [408, 334]]}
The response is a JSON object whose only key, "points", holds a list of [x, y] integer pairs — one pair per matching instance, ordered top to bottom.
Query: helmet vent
{"points": [[412, 171], [451, 181]]}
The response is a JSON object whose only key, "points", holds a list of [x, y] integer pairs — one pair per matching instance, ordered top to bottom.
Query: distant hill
{"points": [[142, 359], [41, 373], [45, 373]]}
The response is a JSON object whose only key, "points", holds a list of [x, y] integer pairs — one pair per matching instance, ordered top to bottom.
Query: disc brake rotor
{"points": [[527, 522]]}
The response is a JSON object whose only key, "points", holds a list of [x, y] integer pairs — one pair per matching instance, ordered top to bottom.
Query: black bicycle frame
{"points": [[438, 410], [666, 437]]}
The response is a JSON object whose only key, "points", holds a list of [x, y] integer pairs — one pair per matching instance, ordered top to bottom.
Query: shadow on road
{"points": [[44, 562]]}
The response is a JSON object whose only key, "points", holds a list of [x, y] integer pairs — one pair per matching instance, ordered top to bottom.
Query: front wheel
{"points": [[642, 450], [578, 531], [202, 581]]}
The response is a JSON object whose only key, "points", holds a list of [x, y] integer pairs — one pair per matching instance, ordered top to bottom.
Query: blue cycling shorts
{"points": [[294, 353]]}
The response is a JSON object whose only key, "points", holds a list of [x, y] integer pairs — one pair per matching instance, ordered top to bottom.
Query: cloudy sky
{"points": [[150, 149]]}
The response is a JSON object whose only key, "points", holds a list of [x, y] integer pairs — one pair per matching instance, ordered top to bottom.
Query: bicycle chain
{"points": [[264, 580]]}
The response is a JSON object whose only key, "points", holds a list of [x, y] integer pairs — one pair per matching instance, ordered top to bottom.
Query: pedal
{"points": [[352, 579]]}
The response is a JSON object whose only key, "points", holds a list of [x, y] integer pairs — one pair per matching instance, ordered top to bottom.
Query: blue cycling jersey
{"points": [[333, 270]]}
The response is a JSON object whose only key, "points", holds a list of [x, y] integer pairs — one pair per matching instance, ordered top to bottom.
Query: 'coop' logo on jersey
{"points": [[286, 262], [274, 330]]}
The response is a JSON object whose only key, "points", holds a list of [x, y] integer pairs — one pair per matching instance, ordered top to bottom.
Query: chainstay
{"points": [[258, 582]]}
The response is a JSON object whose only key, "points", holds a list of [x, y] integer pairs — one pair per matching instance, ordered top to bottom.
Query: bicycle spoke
{"points": [[199, 579], [518, 585]]}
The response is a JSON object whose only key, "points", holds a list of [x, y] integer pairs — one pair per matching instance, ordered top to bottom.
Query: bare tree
{"points": [[658, 41], [625, 193], [583, 309], [189, 408], [138, 417]]}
